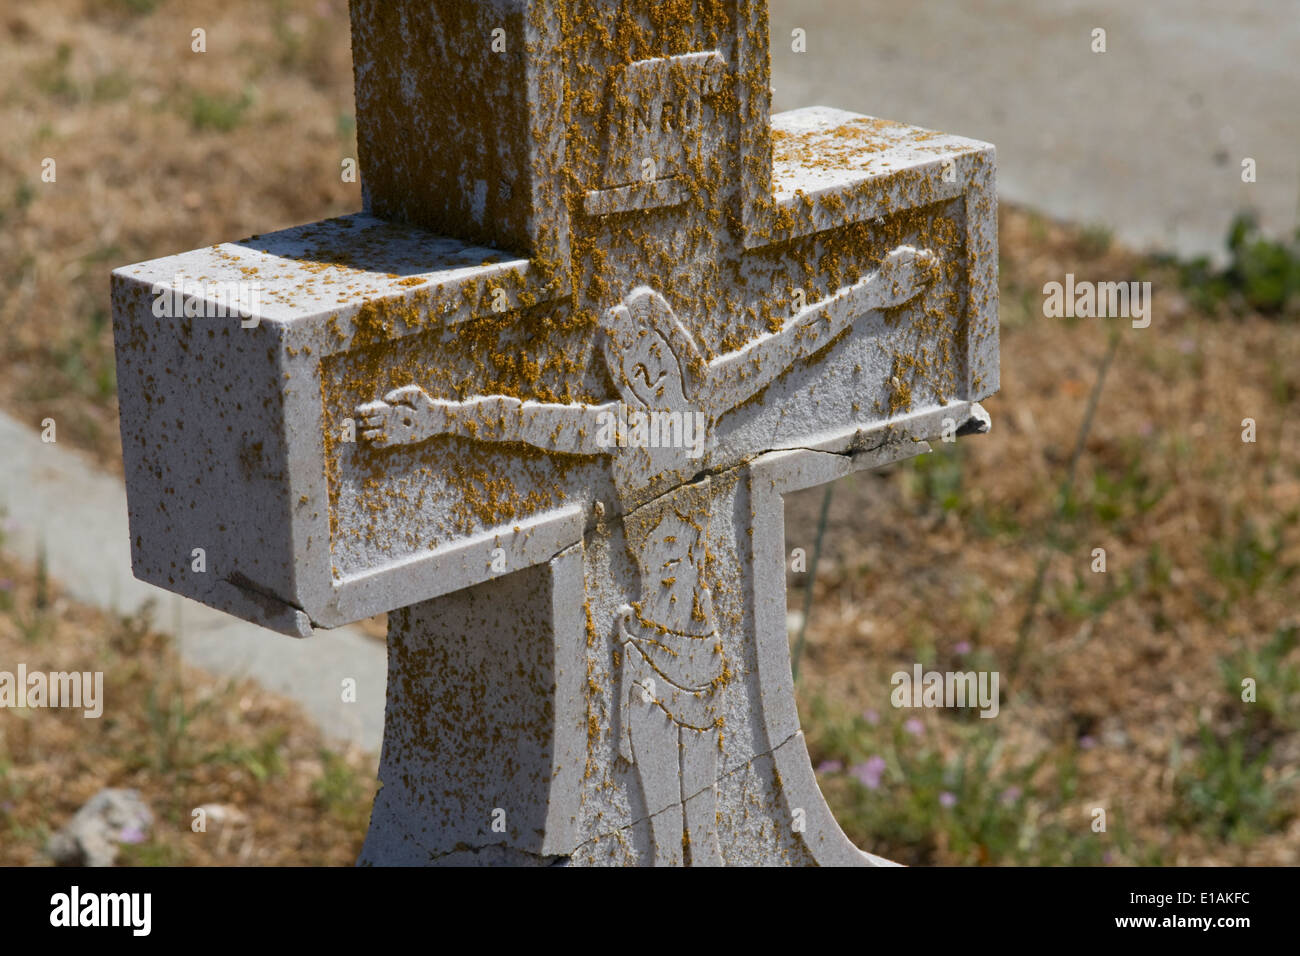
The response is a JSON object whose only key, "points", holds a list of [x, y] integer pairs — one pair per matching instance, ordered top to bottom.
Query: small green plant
{"points": [[139, 7], [292, 42], [52, 76], [113, 85], [220, 113], [24, 193], [1037, 227], [1094, 241], [1265, 271], [1262, 274], [83, 355], [936, 478], [937, 483], [1130, 493], [1247, 558], [6, 590], [1091, 594], [36, 623], [130, 635], [1276, 681], [169, 719], [261, 761], [339, 789], [1230, 789], [1227, 792], [898, 793], [38, 834], [149, 853]]}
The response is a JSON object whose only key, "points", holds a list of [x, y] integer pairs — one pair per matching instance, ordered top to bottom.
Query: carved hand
{"points": [[901, 276], [406, 415]]}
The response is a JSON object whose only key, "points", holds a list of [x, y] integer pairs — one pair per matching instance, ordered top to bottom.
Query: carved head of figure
{"points": [[650, 355]]}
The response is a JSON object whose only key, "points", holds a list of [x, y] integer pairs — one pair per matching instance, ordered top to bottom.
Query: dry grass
{"points": [[160, 150], [1120, 668], [182, 738]]}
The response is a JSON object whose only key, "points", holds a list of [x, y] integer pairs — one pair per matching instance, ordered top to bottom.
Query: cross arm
{"points": [[737, 376], [409, 415], [245, 487]]}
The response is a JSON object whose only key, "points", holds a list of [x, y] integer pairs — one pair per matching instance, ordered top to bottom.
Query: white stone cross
{"points": [[560, 467]]}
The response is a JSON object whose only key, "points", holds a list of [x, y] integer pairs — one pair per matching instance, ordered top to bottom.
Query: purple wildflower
{"points": [[868, 774]]}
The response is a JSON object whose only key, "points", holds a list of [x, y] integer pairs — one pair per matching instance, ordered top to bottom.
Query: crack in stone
{"points": [[247, 584], [271, 604], [682, 803], [549, 859], [560, 859]]}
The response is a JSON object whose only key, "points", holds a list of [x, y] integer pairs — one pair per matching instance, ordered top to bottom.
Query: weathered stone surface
{"points": [[562, 466]]}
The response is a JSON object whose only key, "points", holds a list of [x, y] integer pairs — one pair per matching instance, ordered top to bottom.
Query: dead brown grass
{"points": [[158, 149], [1200, 532], [181, 737]]}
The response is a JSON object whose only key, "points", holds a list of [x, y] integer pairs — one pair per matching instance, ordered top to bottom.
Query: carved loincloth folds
{"points": [[679, 672]]}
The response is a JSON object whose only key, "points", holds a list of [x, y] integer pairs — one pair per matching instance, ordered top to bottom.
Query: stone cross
{"points": [[540, 402]]}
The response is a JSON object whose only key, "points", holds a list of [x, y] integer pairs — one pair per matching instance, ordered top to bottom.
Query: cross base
{"points": [[507, 719]]}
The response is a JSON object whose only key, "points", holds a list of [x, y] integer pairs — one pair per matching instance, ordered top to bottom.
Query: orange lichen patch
{"points": [[858, 146], [837, 149], [473, 185], [670, 249], [538, 353], [900, 383]]}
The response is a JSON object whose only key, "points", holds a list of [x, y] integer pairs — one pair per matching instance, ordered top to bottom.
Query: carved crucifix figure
{"points": [[656, 366], [541, 401], [672, 653], [673, 674]]}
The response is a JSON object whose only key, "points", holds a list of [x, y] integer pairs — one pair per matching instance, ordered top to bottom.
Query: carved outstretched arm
{"points": [[734, 377], [409, 415]]}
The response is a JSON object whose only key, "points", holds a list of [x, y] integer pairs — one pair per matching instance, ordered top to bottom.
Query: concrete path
{"points": [[1146, 139], [53, 495]]}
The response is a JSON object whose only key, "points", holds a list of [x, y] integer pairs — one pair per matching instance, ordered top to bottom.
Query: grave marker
{"points": [[560, 467]]}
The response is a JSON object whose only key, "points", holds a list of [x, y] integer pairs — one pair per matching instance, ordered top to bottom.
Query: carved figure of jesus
{"points": [[656, 364], [672, 667]]}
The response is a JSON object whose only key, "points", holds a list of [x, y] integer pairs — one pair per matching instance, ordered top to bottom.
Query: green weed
{"points": [[217, 112], [1263, 274], [261, 761], [340, 790], [1227, 792], [897, 794]]}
